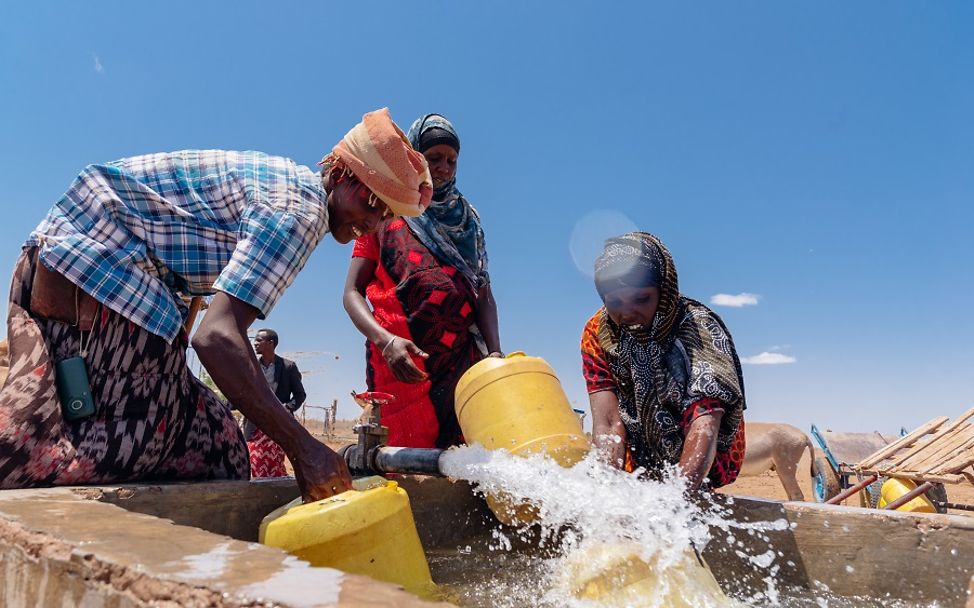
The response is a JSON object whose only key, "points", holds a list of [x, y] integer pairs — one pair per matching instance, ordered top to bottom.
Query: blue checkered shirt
{"points": [[139, 233]]}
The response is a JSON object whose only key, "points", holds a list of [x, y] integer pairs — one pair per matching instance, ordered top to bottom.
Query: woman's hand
{"points": [[397, 353], [496, 355], [608, 431], [700, 449], [320, 472]]}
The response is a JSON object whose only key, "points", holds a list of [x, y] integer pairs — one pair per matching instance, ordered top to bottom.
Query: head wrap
{"points": [[433, 129], [435, 137], [377, 153], [450, 228], [639, 259], [686, 357]]}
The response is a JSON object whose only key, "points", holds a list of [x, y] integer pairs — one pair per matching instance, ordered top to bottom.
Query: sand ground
{"points": [[765, 486]]}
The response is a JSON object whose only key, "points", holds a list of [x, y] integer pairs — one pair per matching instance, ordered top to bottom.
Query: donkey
{"points": [[777, 447]]}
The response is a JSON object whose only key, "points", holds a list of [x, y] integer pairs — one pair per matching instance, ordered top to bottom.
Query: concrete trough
{"points": [[193, 544]]}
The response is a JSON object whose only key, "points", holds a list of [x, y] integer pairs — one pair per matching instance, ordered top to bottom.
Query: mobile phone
{"points": [[73, 389]]}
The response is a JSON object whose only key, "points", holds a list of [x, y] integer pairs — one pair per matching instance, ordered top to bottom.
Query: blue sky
{"points": [[816, 155]]}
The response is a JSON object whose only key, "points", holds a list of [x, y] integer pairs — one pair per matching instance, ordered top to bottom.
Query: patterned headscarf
{"points": [[378, 154], [450, 228], [639, 259], [687, 355]]}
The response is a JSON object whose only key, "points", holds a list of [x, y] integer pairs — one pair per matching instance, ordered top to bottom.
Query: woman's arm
{"points": [[487, 320], [221, 344], [395, 350], [608, 431], [700, 448]]}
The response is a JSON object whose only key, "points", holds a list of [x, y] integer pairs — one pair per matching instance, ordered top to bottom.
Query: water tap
{"points": [[371, 433], [370, 456]]}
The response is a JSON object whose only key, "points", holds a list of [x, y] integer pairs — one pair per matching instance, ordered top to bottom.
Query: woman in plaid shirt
{"points": [[104, 277]]}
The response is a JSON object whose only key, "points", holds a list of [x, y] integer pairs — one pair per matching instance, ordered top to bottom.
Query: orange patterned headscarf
{"points": [[377, 153]]}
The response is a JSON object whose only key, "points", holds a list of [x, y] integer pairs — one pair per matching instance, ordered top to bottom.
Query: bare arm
{"points": [[487, 320], [222, 346], [395, 350], [608, 432], [700, 448]]}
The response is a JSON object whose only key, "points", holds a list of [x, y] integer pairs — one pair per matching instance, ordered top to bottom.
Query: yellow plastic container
{"points": [[517, 404], [894, 488], [368, 530], [614, 575]]}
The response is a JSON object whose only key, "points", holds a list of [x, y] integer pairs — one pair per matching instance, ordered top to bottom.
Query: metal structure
{"points": [[371, 456], [834, 471]]}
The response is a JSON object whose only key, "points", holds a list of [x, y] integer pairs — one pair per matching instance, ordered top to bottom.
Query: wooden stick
{"points": [[194, 309], [935, 438], [960, 438], [910, 439], [945, 447], [896, 460], [937, 461], [957, 464], [938, 478]]}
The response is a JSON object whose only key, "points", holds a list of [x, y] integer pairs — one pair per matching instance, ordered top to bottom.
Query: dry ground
{"points": [[762, 486], [768, 486]]}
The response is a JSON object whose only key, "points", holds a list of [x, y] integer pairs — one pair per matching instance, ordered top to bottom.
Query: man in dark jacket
{"points": [[266, 457]]}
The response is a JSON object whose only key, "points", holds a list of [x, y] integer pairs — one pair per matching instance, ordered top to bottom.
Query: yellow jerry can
{"points": [[517, 404], [894, 488], [367, 530], [614, 575]]}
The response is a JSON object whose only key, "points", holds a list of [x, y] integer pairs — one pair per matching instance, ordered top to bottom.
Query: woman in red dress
{"points": [[432, 313]]}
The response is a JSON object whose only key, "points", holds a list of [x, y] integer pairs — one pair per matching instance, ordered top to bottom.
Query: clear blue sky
{"points": [[818, 155]]}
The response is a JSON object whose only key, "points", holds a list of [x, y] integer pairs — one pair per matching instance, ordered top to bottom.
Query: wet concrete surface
{"points": [[192, 544], [61, 548]]}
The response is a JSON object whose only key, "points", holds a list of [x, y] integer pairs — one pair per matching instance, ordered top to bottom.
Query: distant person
{"points": [[96, 302], [433, 312], [284, 378], [663, 378]]}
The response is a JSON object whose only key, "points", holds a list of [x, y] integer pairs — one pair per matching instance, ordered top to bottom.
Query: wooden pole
{"points": [[194, 308], [902, 442]]}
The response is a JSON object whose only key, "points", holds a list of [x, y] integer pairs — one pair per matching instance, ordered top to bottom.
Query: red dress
{"points": [[417, 297]]}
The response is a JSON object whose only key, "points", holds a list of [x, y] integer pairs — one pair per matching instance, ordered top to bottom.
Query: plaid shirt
{"points": [[138, 233]]}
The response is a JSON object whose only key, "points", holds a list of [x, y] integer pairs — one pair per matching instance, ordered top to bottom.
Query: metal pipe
{"points": [[369, 456], [385, 459], [410, 461], [923, 488], [838, 498]]}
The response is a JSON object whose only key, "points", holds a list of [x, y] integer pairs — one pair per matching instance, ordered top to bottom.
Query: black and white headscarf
{"points": [[685, 356]]}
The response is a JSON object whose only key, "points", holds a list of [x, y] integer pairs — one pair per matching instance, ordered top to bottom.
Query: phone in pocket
{"points": [[73, 389]]}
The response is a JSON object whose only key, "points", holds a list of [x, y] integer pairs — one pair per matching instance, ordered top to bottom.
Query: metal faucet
{"points": [[370, 456]]}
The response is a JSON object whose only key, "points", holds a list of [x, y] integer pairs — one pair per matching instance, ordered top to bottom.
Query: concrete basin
{"points": [[194, 544]]}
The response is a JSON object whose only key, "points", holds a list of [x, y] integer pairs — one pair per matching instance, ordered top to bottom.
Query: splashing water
{"points": [[604, 529], [601, 532]]}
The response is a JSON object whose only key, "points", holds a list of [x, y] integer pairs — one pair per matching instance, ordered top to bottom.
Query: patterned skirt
{"points": [[154, 420], [266, 457]]}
